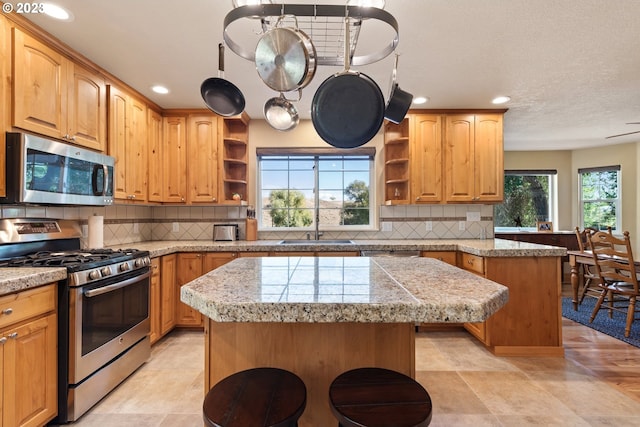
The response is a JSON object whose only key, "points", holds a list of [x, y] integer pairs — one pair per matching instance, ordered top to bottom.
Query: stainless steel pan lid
{"points": [[285, 59]]}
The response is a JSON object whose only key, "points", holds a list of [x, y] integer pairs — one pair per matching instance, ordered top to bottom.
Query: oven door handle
{"points": [[110, 288]]}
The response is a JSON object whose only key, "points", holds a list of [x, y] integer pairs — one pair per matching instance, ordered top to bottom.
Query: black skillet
{"points": [[221, 96], [348, 108]]}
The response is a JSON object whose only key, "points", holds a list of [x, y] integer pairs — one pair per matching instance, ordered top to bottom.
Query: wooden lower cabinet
{"points": [[445, 256], [190, 266], [168, 268], [155, 297], [530, 324], [28, 357]]}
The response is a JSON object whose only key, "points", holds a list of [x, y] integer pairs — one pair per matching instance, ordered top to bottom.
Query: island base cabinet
{"points": [[530, 324], [316, 352]]}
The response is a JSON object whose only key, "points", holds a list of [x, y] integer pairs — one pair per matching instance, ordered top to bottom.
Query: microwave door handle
{"points": [[94, 179], [110, 288]]}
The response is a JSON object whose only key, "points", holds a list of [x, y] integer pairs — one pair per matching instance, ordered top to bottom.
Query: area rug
{"points": [[602, 323]]}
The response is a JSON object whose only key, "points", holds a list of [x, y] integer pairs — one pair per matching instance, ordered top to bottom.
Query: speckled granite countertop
{"points": [[488, 248], [19, 279], [337, 289]]}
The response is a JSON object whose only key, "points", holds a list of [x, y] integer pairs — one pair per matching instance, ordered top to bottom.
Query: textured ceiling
{"points": [[571, 67]]}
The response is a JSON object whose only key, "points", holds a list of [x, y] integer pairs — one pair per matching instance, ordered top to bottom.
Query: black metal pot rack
{"points": [[324, 24]]}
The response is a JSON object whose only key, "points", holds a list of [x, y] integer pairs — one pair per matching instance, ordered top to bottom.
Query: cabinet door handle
{"points": [[470, 262], [7, 311], [13, 335], [3, 340]]}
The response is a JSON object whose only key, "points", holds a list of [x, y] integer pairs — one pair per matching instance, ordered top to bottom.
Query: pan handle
{"points": [[221, 60]]}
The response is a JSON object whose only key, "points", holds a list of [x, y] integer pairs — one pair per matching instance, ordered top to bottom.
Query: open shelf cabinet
{"points": [[396, 163], [234, 168]]}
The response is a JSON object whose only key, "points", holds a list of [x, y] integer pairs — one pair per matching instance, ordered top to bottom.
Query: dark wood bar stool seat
{"points": [[260, 397], [376, 397]]}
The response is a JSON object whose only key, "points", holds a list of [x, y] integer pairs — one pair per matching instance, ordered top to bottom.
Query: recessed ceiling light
{"points": [[238, 3], [367, 3], [57, 12], [160, 89], [501, 99], [420, 100]]}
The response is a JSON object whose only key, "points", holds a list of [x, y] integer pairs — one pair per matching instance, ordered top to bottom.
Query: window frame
{"points": [[317, 154], [617, 201]]}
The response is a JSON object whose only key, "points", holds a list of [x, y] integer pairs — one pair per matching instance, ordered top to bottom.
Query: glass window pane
{"points": [[275, 180], [330, 180], [526, 201]]}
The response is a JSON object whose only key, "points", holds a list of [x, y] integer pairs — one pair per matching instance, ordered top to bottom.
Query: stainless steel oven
{"points": [[103, 307], [108, 335]]}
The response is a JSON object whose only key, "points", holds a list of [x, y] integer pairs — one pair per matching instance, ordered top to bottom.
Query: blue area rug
{"points": [[602, 323]]}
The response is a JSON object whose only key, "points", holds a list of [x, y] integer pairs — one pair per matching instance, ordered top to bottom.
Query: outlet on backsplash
{"points": [[428, 225], [461, 226], [175, 227]]}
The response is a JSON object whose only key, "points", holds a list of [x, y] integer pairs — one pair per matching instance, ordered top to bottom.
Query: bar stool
{"points": [[259, 397], [376, 397]]}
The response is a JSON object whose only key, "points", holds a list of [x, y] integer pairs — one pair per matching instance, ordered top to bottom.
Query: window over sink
{"points": [[298, 187]]}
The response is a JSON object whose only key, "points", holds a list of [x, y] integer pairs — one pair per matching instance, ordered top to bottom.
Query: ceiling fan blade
{"points": [[622, 134]]}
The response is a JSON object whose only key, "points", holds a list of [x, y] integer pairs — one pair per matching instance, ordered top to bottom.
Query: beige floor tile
{"points": [[512, 393], [119, 420], [542, 420]]}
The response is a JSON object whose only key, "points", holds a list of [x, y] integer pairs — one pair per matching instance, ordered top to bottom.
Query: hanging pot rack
{"points": [[324, 24]]}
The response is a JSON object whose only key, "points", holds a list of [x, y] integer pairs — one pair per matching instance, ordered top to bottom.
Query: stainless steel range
{"points": [[103, 307]]}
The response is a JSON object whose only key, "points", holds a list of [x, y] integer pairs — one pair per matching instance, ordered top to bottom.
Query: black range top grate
{"points": [[74, 260]]}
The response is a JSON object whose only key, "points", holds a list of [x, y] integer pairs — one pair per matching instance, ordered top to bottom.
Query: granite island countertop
{"points": [[343, 289]]}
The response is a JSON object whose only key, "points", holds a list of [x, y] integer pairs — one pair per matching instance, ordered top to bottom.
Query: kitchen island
{"points": [[321, 316]]}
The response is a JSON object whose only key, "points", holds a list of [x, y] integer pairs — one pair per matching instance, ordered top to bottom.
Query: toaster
{"points": [[225, 232]]}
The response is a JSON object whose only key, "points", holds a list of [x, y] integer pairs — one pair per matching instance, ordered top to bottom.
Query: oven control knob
{"points": [[138, 263], [124, 267], [106, 271], [94, 275]]}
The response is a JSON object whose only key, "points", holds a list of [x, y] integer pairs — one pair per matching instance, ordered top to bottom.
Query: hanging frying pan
{"points": [[285, 59], [221, 96], [399, 100], [348, 108]]}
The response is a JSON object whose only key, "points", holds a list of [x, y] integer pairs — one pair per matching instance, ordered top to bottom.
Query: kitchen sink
{"points": [[315, 242]]}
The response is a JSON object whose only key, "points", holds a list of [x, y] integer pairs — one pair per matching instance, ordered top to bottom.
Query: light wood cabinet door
{"points": [[39, 86], [5, 105], [86, 108], [128, 145], [174, 154], [137, 155], [155, 156], [426, 158], [458, 158], [489, 158], [203, 159], [474, 159], [168, 268], [189, 268], [155, 299], [30, 373]]}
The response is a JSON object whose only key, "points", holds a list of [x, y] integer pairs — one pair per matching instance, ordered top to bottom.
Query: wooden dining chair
{"points": [[617, 277], [589, 284]]}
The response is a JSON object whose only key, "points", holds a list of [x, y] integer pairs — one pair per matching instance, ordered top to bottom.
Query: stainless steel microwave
{"points": [[45, 171]]}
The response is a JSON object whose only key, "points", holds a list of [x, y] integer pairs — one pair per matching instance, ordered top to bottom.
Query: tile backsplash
{"points": [[125, 224]]}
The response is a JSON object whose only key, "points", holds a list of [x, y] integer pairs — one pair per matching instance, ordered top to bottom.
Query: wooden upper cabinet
{"points": [[55, 97], [5, 103], [154, 136], [128, 145], [174, 158], [426, 158], [489, 158], [203, 159], [474, 159]]}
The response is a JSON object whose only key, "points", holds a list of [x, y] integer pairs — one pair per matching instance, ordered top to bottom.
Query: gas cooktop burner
{"points": [[76, 260]]}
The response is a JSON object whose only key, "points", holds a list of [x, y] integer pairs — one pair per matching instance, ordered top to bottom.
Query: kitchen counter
{"points": [[488, 248], [19, 279], [336, 289], [321, 316]]}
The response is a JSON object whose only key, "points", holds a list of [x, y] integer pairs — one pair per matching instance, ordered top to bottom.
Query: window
{"points": [[288, 180], [529, 196], [600, 197]]}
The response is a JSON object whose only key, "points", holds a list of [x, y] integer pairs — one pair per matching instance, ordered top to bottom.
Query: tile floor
{"points": [[468, 385]]}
